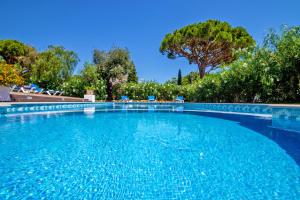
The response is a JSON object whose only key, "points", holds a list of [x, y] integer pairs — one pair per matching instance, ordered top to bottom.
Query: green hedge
{"points": [[141, 91]]}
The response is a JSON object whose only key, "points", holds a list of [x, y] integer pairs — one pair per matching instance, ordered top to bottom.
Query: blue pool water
{"points": [[146, 155]]}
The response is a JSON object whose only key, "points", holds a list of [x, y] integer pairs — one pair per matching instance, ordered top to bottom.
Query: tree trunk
{"points": [[201, 70], [109, 90]]}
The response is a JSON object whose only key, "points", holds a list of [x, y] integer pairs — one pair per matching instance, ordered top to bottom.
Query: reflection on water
{"points": [[90, 110]]}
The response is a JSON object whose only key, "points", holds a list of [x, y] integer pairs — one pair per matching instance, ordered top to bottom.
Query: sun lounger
{"points": [[24, 89], [36, 89], [53, 92], [58, 93], [124, 98], [151, 98], [179, 99]]}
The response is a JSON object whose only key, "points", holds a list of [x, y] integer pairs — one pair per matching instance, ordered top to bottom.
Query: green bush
{"points": [[77, 85], [74, 86], [100, 89], [141, 91], [169, 91]]}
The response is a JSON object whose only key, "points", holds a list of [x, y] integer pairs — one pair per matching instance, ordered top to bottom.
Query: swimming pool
{"points": [[145, 152]]}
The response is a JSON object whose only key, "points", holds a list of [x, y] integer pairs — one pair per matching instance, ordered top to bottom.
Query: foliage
{"points": [[208, 44], [12, 50], [285, 50], [18, 54], [2, 60], [53, 67], [113, 67], [269, 73], [89, 74], [9, 75], [132, 75], [192, 77], [87, 79], [93, 81], [171, 81], [244, 81], [74, 86], [90, 88], [100, 90], [204, 90], [141, 91], [170, 91]]}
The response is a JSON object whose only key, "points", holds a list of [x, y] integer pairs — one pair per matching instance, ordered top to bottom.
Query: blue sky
{"points": [[139, 25]]}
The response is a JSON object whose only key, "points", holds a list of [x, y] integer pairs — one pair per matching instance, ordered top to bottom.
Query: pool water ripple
{"points": [[141, 155]]}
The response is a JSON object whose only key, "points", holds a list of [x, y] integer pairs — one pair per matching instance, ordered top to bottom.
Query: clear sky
{"points": [[139, 25]]}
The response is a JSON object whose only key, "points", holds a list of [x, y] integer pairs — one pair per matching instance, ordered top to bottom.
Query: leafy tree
{"points": [[208, 44], [12, 50], [18, 54], [26, 63], [284, 64], [53, 67], [113, 67], [89, 74], [266, 74], [9, 75], [132, 75], [90, 78], [179, 78], [190, 78], [172, 81], [75, 86]]}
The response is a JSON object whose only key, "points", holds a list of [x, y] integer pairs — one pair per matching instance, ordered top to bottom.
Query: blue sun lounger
{"points": [[36, 89], [124, 98], [151, 98], [179, 99]]}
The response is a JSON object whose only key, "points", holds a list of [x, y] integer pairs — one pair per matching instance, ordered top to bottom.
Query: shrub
{"points": [[9, 75], [77, 85], [74, 86], [141, 91]]}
